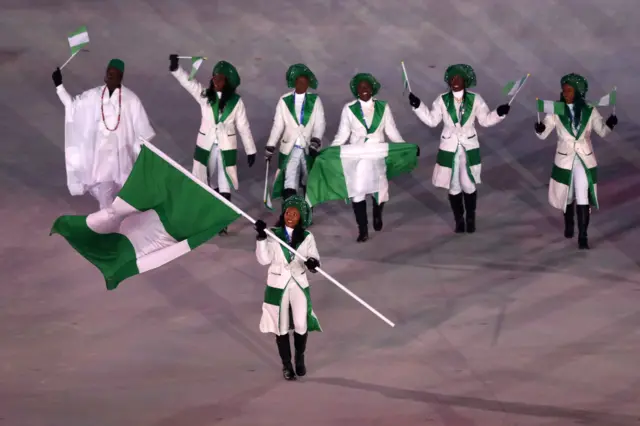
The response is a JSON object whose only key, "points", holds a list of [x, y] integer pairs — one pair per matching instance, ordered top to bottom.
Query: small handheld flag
{"points": [[78, 40], [196, 61], [405, 79], [513, 87], [607, 100], [550, 107]]}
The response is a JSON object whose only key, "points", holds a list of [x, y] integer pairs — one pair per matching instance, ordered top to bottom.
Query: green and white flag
{"points": [[78, 40], [196, 61], [512, 87], [607, 100], [551, 107], [340, 172], [161, 213]]}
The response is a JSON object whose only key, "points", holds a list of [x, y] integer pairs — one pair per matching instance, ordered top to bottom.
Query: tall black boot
{"points": [[286, 193], [226, 195], [470, 205], [457, 207], [360, 210], [377, 215], [583, 223], [569, 224], [300, 343], [284, 349]]}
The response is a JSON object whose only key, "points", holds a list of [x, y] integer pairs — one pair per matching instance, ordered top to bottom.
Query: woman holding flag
{"points": [[223, 114], [458, 162], [574, 175], [287, 300]]}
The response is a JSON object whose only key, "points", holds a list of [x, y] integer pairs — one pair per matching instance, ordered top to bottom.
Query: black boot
{"points": [[286, 193], [226, 195], [470, 206], [457, 207], [360, 210], [377, 215], [583, 223], [569, 224], [300, 343], [284, 349]]}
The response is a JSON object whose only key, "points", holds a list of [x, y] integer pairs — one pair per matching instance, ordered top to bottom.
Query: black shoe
{"points": [[227, 196], [470, 206], [457, 207], [360, 210], [582, 212], [377, 215], [569, 224], [300, 343], [284, 349]]}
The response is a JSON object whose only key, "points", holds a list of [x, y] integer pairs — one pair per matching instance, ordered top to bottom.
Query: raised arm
{"points": [[194, 88], [486, 117], [430, 118], [319, 124], [549, 124], [598, 124], [278, 126], [243, 128], [390, 128], [344, 129]]}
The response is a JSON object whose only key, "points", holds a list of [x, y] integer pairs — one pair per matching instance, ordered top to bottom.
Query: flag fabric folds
{"points": [[78, 39], [512, 87], [551, 107]]}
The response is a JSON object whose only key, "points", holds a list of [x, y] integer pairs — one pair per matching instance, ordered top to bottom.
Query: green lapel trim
{"points": [[469, 99], [309, 103], [228, 108], [378, 113], [584, 119], [280, 233]]}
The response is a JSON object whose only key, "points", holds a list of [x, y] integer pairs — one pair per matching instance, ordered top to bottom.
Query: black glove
{"points": [[174, 62], [57, 77], [414, 100], [503, 110], [612, 121], [540, 127], [314, 147], [268, 152], [418, 153], [251, 158], [260, 226], [312, 264]]}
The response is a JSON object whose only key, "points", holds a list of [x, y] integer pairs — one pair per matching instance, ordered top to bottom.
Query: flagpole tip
{"points": [[528, 74]]}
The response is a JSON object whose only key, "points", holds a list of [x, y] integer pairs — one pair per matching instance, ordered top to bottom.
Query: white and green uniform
{"points": [[298, 118], [368, 122], [217, 145], [458, 162], [575, 170], [287, 285]]}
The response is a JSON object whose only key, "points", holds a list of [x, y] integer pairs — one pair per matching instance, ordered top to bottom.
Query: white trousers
{"points": [[215, 169], [296, 170], [460, 181], [579, 188], [105, 193], [293, 296]]}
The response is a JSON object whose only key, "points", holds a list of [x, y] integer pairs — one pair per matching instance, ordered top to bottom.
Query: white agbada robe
{"points": [[98, 158]]}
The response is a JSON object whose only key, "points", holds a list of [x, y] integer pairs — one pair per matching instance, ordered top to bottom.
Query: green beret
{"points": [[117, 64], [297, 70], [463, 70], [229, 71], [578, 82], [375, 85], [301, 205]]}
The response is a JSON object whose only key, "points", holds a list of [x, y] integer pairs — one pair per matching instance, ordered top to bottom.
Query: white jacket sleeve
{"points": [[194, 88], [67, 100], [430, 118], [486, 118], [141, 123], [319, 124], [550, 124], [598, 124], [242, 125], [278, 125], [390, 126], [344, 129], [312, 249], [264, 253]]}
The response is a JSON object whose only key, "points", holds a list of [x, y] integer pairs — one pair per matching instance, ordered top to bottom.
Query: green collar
{"points": [[468, 101], [307, 107], [228, 108], [378, 113], [584, 119], [281, 233]]}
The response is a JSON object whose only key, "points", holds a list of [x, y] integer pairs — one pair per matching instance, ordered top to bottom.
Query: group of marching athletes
{"points": [[107, 123]]}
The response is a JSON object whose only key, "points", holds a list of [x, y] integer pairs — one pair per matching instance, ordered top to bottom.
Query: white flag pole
{"points": [[189, 57], [68, 60], [406, 76], [519, 88], [614, 106], [538, 112], [266, 182], [267, 231]]}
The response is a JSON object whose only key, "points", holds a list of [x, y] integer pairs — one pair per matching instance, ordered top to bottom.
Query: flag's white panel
{"points": [[79, 39], [364, 168], [163, 256]]}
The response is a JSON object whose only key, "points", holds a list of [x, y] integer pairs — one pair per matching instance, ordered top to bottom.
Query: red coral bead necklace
{"points": [[119, 109]]}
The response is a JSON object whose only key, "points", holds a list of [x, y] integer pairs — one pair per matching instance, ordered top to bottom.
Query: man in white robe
{"points": [[103, 130]]}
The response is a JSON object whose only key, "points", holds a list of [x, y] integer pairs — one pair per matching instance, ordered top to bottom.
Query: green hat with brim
{"points": [[117, 64], [300, 70], [463, 70], [229, 71], [578, 82], [375, 85], [301, 205]]}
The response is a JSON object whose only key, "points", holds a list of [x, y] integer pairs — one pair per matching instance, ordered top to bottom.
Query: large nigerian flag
{"points": [[341, 172], [161, 213]]}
